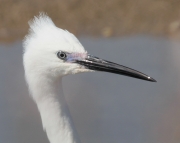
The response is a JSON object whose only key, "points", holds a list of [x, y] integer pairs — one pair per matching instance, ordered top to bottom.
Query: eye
{"points": [[61, 55]]}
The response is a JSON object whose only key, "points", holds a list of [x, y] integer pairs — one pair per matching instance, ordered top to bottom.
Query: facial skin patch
{"points": [[76, 56]]}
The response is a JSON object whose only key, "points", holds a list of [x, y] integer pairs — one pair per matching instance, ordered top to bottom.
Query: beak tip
{"points": [[151, 79]]}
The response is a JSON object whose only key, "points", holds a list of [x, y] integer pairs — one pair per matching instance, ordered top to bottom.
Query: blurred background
{"points": [[141, 34]]}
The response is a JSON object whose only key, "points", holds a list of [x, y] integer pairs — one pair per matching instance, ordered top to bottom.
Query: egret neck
{"points": [[56, 119]]}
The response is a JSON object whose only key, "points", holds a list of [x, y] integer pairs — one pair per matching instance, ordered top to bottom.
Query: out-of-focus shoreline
{"points": [[96, 18]]}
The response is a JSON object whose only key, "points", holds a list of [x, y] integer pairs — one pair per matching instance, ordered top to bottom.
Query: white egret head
{"points": [[53, 52]]}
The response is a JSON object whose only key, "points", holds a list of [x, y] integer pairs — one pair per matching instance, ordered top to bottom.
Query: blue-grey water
{"points": [[106, 108]]}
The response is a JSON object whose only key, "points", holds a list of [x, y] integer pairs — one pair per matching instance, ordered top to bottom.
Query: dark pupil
{"points": [[62, 55]]}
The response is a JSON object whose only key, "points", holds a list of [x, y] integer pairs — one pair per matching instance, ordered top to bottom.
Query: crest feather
{"points": [[35, 24], [43, 31]]}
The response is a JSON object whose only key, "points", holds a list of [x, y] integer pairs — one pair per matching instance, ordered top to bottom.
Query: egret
{"points": [[49, 54]]}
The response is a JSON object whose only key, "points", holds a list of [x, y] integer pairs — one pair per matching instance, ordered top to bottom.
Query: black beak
{"points": [[98, 64]]}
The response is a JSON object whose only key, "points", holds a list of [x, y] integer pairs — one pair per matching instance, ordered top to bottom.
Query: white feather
{"points": [[44, 32], [43, 72]]}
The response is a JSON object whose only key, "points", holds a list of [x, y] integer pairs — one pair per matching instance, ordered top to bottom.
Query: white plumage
{"points": [[49, 54], [43, 72]]}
